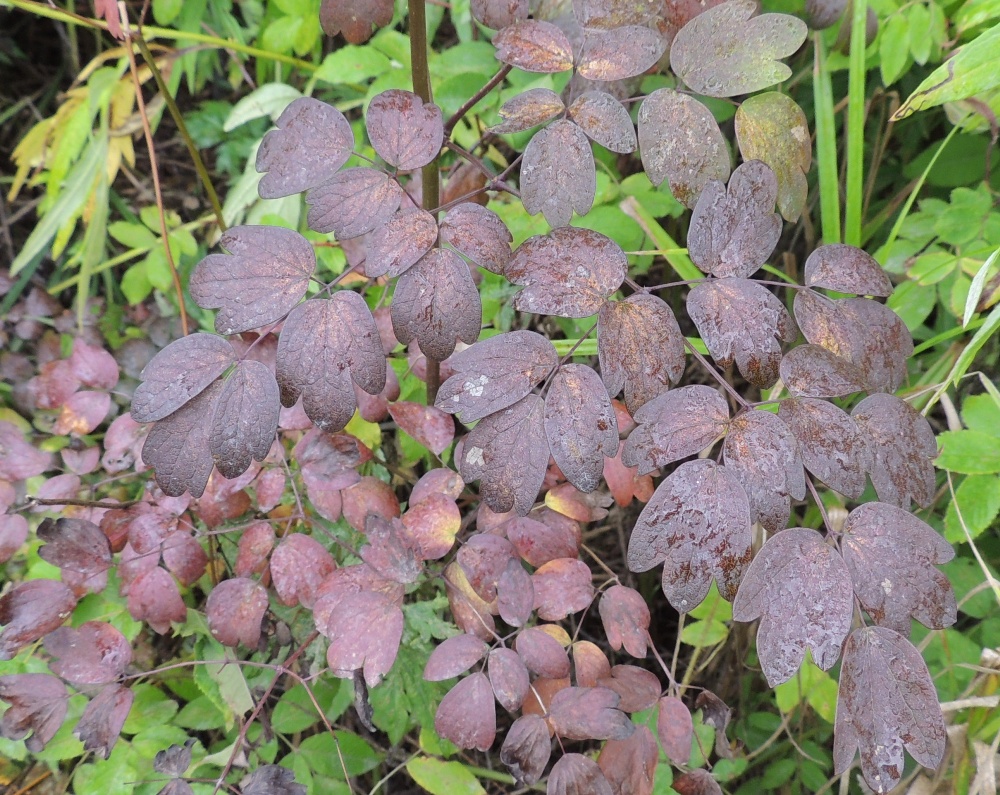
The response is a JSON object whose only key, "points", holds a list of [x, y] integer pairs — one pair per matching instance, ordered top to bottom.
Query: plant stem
{"points": [[492, 83], [856, 124], [826, 145]]}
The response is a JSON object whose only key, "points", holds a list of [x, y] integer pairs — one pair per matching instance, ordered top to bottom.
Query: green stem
{"points": [[175, 113], [856, 124], [826, 145]]}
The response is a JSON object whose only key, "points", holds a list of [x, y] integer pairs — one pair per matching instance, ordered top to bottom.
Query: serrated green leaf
{"points": [[968, 453], [977, 499]]}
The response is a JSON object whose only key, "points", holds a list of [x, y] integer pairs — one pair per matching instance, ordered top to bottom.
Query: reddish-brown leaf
{"points": [[610, 14], [353, 18], [534, 46], [727, 51], [619, 53], [528, 109], [604, 119], [406, 132], [312, 141], [681, 142], [558, 174], [354, 202], [733, 233], [478, 234], [398, 244], [846, 269], [569, 272], [265, 274], [436, 302], [739, 319], [824, 322], [325, 347], [640, 347], [882, 349], [94, 366], [182, 370], [812, 371], [496, 373], [82, 413], [246, 418], [428, 425], [675, 425], [121, 444], [832, 445], [761, 451], [508, 453], [20, 460], [329, 461], [437, 481], [369, 497], [569, 501], [432, 525], [698, 525], [13, 533], [538, 541], [75, 545], [255, 546], [390, 551], [891, 555], [483, 558], [298, 565], [795, 571], [347, 580], [562, 587], [515, 594], [153, 597], [235, 609], [30, 610], [469, 611], [625, 616], [364, 633], [94, 654], [542, 654], [453, 657], [590, 664], [508, 677], [638, 688], [886, 702], [38, 705], [588, 713], [466, 715], [102, 720], [675, 728], [526, 749], [174, 761], [630, 765], [274, 779], [696, 782]]}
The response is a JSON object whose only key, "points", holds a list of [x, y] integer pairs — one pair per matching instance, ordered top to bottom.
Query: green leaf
{"points": [[166, 11], [920, 32], [280, 35], [894, 48], [351, 64], [971, 71], [268, 100], [132, 235], [135, 284], [976, 290], [987, 330], [982, 413], [968, 452], [977, 498], [966, 575], [704, 633], [813, 685], [150, 707], [294, 712], [200, 714], [321, 754], [443, 778]]}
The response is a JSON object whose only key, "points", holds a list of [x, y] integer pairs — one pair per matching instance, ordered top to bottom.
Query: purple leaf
{"points": [[353, 18], [534, 46], [619, 53], [528, 109], [604, 119], [406, 132], [558, 174], [353, 203], [478, 234], [400, 243], [846, 269], [812, 371], [246, 418], [18, 459], [698, 525], [76, 545], [390, 550], [484, 558], [298, 565], [795, 571], [562, 587], [515, 594], [153, 597], [30, 610], [234, 611], [626, 618], [364, 632], [94, 654], [542, 654], [453, 657], [508, 678], [638, 688], [887, 702], [37, 705], [589, 713], [466, 715], [102, 720], [675, 729], [526, 749], [630, 765], [575, 774], [274, 779]]}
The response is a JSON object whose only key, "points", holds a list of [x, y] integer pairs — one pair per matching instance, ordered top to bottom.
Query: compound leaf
{"points": [[726, 50], [604, 119], [406, 132], [312, 142], [558, 174], [354, 202], [739, 319], [813, 371], [246, 418], [675, 425], [698, 524], [75, 544], [299, 564], [795, 571], [562, 587], [30, 610], [626, 618], [95, 653], [542, 654], [453, 657], [508, 677], [886, 702], [38, 705], [102, 721], [675, 729], [526, 749], [630, 765], [576, 773], [274, 779]]}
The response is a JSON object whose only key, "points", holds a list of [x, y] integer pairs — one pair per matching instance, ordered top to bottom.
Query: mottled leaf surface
{"points": [[353, 18], [534, 46], [727, 51], [619, 53], [528, 109], [604, 119], [772, 128], [406, 132], [312, 142], [681, 142], [558, 174], [353, 203], [734, 231], [478, 234], [400, 242], [847, 269], [569, 272], [435, 303], [740, 320], [326, 346], [640, 348], [882, 349], [813, 371], [178, 373], [496, 373], [246, 418], [428, 425], [675, 425], [178, 446], [832, 446], [902, 448], [761, 451], [508, 453], [698, 524], [75, 545], [892, 554], [299, 565], [562, 587], [800, 588], [515, 594], [154, 598], [234, 611], [626, 618], [364, 631], [95, 653], [453, 657], [508, 677], [886, 702], [38, 705], [588, 713], [466, 715], [101, 722], [675, 729], [526, 749], [630, 765], [575, 774], [274, 779], [696, 782]]}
